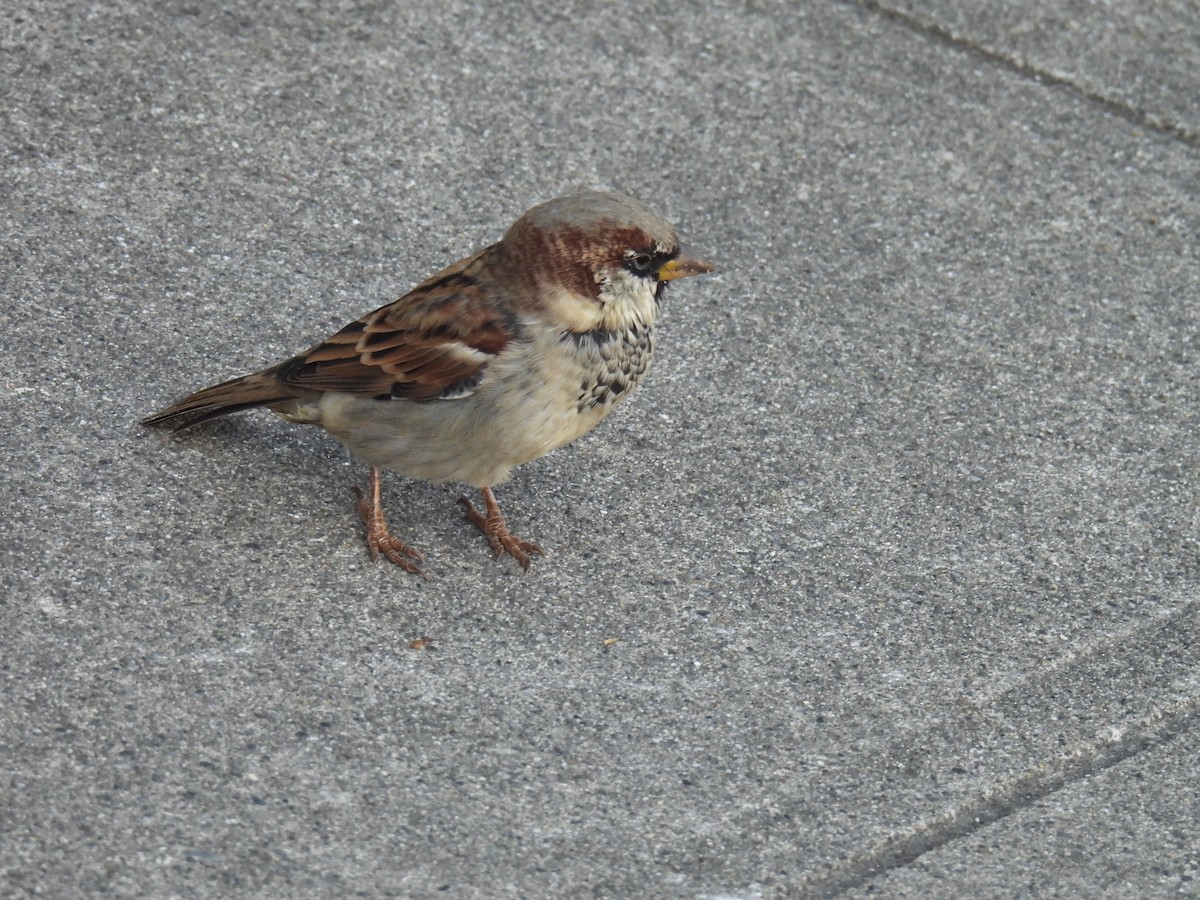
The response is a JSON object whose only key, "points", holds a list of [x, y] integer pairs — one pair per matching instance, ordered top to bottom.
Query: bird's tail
{"points": [[247, 392]]}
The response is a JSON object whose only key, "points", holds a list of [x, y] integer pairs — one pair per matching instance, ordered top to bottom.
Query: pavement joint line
{"points": [[939, 33], [1074, 655], [1172, 711], [1006, 798]]}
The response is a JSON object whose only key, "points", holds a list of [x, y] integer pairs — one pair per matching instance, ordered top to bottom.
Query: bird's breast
{"points": [[610, 364], [563, 385], [541, 394]]}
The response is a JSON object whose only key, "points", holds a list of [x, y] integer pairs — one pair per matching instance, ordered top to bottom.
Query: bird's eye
{"points": [[640, 263]]}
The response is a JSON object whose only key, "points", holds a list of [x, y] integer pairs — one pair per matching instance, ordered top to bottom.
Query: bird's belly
{"points": [[519, 413]]}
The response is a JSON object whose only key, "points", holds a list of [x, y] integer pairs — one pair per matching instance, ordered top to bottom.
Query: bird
{"points": [[492, 362]]}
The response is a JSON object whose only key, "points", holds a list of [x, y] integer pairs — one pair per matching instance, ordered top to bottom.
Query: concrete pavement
{"points": [[884, 583]]}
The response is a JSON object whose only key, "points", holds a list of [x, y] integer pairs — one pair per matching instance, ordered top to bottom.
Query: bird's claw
{"points": [[495, 529], [380, 541]]}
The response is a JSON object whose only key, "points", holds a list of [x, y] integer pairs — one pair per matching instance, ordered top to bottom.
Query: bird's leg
{"points": [[495, 529], [379, 538]]}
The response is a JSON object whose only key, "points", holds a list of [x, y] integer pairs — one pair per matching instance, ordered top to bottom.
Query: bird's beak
{"points": [[682, 266]]}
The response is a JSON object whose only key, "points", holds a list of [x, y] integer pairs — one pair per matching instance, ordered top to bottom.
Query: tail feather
{"points": [[247, 392]]}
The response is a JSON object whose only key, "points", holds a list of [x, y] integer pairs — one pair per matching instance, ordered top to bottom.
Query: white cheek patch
{"points": [[574, 312]]}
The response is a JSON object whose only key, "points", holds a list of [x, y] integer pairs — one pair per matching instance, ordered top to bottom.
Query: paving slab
{"points": [[1142, 59], [895, 551], [1127, 830]]}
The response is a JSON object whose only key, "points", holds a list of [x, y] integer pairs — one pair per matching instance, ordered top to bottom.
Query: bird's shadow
{"points": [[298, 461]]}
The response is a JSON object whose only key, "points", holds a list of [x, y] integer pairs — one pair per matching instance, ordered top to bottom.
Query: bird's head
{"points": [[599, 260]]}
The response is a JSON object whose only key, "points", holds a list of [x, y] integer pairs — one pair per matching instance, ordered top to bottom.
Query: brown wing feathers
{"points": [[434, 342], [390, 352]]}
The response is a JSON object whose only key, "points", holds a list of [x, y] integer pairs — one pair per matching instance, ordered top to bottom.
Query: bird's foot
{"points": [[495, 529], [380, 540]]}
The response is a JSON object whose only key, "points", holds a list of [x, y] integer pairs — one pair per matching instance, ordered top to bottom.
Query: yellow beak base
{"points": [[682, 266]]}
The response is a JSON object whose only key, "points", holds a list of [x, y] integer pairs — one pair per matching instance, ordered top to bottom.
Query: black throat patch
{"points": [[616, 362]]}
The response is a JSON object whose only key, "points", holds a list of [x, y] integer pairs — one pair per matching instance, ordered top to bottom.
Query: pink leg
{"points": [[495, 529], [379, 538]]}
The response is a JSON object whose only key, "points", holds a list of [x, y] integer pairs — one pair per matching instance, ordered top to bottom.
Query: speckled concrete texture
{"points": [[1135, 57], [885, 582]]}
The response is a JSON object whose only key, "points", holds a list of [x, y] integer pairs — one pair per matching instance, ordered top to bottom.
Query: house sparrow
{"points": [[492, 362]]}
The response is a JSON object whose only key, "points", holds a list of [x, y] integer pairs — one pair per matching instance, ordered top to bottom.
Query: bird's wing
{"points": [[433, 343]]}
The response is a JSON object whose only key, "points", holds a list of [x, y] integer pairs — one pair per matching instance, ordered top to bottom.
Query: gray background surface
{"points": [[885, 582]]}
